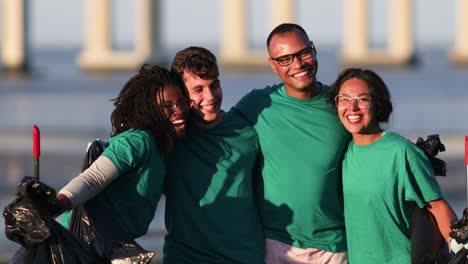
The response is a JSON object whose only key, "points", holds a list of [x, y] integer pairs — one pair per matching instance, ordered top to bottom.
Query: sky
{"points": [[58, 23]]}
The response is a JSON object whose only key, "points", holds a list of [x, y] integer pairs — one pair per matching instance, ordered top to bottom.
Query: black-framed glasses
{"points": [[303, 54], [342, 101], [170, 108]]}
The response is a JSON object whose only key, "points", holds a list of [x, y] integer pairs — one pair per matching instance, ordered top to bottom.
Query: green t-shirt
{"points": [[302, 143], [382, 183], [134, 195], [210, 210]]}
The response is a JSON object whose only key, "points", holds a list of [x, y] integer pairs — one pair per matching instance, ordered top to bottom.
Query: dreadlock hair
{"points": [[197, 61], [138, 105]]}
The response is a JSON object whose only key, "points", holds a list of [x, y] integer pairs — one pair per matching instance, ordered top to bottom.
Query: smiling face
{"points": [[299, 76], [206, 97], [175, 107], [357, 118]]}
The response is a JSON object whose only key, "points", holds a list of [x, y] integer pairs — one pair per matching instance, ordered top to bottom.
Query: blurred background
{"points": [[71, 103]]}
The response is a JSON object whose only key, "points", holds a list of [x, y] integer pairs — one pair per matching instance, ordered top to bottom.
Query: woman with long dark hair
{"points": [[150, 113]]}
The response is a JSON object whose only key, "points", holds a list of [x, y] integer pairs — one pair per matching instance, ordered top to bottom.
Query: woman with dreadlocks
{"points": [[150, 112]]}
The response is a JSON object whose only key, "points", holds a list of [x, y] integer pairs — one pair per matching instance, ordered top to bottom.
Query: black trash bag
{"points": [[431, 147], [26, 217], [29, 222], [94, 223], [460, 228], [460, 234], [427, 243], [60, 247], [461, 257]]}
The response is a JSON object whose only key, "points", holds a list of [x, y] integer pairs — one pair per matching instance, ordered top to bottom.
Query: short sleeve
{"points": [[126, 152], [421, 185]]}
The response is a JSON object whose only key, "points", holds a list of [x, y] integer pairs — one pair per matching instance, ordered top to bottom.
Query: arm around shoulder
{"points": [[252, 104]]}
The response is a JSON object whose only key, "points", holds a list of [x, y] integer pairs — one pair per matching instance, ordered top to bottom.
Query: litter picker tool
{"points": [[36, 150], [466, 164], [459, 228]]}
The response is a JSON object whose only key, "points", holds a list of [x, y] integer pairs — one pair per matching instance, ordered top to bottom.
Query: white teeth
{"points": [[301, 74], [209, 106], [354, 117], [178, 121]]}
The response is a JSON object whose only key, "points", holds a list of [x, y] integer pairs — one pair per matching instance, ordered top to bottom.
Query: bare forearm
{"points": [[443, 214]]}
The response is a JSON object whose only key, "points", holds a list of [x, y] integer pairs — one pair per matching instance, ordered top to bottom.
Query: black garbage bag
{"points": [[431, 147], [26, 218], [29, 222], [94, 223], [460, 228], [427, 243], [461, 257]]}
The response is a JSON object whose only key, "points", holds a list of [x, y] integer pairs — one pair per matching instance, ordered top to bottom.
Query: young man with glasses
{"points": [[302, 143], [211, 215]]}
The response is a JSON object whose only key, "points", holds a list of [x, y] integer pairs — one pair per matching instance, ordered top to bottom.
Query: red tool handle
{"points": [[36, 142], [36, 150]]}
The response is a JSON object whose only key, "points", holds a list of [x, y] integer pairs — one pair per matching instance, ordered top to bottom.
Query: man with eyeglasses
{"points": [[302, 143], [210, 214]]}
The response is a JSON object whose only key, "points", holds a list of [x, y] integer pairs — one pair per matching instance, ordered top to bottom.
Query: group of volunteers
{"points": [[296, 172]]}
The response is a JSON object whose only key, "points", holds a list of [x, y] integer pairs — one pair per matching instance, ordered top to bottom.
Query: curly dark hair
{"points": [[197, 61], [379, 93], [138, 107]]}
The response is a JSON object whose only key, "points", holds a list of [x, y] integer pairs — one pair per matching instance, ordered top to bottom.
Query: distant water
{"points": [[428, 98], [72, 107]]}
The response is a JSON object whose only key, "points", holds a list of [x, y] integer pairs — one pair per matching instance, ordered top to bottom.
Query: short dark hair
{"points": [[286, 28], [197, 61], [379, 93], [137, 107]]}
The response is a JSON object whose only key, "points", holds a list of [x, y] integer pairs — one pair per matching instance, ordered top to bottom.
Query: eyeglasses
{"points": [[302, 55], [343, 101], [170, 108]]}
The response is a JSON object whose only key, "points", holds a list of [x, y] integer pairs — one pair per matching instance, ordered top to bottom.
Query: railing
{"points": [[97, 50]]}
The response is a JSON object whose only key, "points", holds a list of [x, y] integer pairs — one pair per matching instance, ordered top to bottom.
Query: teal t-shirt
{"points": [[302, 143], [382, 183], [134, 195], [210, 210]]}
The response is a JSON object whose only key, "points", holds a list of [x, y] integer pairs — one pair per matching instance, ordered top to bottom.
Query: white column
{"points": [[282, 11], [98, 27], [234, 29], [401, 29], [148, 30], [15, 33], [97, 33], [355, 33], [355, 42], [234, 49], [98, 52], [459, 53]]}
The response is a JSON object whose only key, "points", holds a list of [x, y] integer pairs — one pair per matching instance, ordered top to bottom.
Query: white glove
{"points": [[455, 247]]}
